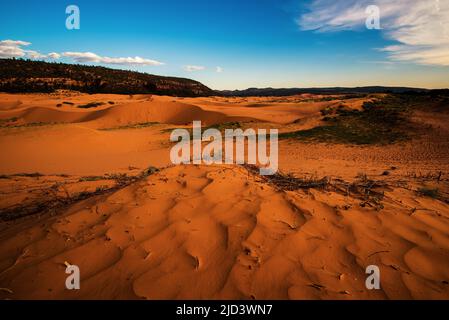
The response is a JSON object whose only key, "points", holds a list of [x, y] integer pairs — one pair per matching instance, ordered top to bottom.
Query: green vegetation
{"points": [[338, 97], [91, 105], [6, 122], [380, 122], [29, 125], [131, 126], [219, 126], [223, 126], [29, 175], [92, 178], [120, 178], [429, 192]]}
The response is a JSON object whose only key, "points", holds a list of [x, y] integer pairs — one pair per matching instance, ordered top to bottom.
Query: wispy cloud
{"points": [[421, 28], [17, 43], [12, 48], [15, 49], [18, 49], [53, 55], [39, 56], [82, 57], [193, 68], [218, 69]]}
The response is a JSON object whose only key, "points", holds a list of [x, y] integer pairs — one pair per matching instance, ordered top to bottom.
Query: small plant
{"points": [[91, 105], [327, 111], [8, 122], [131, 126], [220, 126], [149, 171], [29, 175], [361, 176], [91, 178], [101, 189], [429, 192], [56, 202]]}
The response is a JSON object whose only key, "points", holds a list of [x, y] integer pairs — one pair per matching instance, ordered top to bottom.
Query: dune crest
{"points": [[115, 110]]}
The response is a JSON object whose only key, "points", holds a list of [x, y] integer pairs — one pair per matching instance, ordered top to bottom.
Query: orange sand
{"points": [[213, 232]]}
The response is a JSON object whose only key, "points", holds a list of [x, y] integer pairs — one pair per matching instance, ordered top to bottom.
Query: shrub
{"points": [[91, 105], [429, 192]]}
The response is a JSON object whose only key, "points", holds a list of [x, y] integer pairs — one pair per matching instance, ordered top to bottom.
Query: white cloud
{"points": [[421, 27], [16, 43], [13, 49], [35, 55], [54, 55], [39, 56], [82, 57], [194, 68], [219, 69]]}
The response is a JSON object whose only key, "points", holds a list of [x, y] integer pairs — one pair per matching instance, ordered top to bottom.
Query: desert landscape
{"points": [[224, 158], [86, 179]]}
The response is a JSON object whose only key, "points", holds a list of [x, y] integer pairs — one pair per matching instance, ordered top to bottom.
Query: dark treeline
{"points": [[18, 75], [279, 92]]}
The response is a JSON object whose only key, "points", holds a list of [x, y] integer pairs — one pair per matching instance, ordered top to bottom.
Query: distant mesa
{"points": [[279, 92]]}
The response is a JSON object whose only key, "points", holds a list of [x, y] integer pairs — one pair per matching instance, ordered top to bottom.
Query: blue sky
{"points": [[255, 43]]}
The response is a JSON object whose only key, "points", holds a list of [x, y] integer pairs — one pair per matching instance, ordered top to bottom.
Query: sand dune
{"points": [[10, 104], [146, 108], [167, 112], [274, 112], [124, 114], [44, 115], [75, 149], [210, 232], [213, 232]]}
